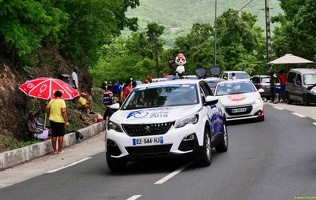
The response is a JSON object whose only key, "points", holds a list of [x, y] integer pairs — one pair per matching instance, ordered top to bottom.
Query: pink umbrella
{"points": [[44, 88]]}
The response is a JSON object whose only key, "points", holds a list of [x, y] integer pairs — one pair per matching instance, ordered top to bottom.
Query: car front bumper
{"points": [[253, 111], [185, 142]]}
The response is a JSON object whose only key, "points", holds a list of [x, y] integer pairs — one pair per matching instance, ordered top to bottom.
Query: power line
{"points": [[245, 5]]}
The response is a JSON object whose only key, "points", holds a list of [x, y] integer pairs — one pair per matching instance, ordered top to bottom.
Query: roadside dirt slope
{"points": [[15, 105]]}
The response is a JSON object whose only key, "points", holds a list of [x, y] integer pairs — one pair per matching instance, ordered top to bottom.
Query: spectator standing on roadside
{"points": [[74, 79], [104, 84], [282, 84], [134, 85], [272, 86], [116, 89], [127, 89], [108, 101], [56, 111]]}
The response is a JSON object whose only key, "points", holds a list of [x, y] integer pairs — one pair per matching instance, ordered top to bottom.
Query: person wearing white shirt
{"points": [[233, 76], [74, 79]]}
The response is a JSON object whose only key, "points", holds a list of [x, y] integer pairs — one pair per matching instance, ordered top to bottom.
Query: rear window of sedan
{"points": [[228, 88]]}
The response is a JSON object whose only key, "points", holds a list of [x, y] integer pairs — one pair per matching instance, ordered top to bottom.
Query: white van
{"points": [[296, 86]]}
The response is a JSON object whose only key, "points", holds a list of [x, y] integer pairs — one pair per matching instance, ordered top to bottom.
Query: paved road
{"points": [[308, 111], [274, 159]]}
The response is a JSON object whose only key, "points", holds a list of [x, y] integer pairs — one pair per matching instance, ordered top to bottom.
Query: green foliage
{"points": [[179, 16], [25, 24], [93, 24], [78, 28], [296, 35], [15, 143]]}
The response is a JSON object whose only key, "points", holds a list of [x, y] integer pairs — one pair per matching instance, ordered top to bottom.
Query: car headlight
{"points": [[312, 91], [258, 100], [193, 119], [114, 126]]}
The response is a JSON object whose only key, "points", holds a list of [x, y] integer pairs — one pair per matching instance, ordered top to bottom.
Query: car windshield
{"points": [[240, 75], [309, 79], [226, 88], [161, 96]]}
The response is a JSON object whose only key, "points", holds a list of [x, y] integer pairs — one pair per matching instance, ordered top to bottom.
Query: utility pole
{"points": [[268, 31], [156, 55]]}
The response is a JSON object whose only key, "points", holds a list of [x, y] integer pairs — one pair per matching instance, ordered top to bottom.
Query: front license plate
{"points": [[238, 110], [144, 141]]}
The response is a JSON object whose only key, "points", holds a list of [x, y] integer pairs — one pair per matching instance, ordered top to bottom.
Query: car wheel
{"points": [[287, 98], [305, 100], [261, 119], [223, 145], [205, 159], [115, 164]]}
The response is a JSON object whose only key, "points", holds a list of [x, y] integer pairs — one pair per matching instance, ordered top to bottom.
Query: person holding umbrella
{"points": [[56, 111]]}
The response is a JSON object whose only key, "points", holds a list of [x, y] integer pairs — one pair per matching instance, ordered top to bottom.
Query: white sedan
{"points": [[240, 99], [166, 119]]}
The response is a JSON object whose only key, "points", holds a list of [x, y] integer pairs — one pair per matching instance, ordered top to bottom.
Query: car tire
{"points": [[287, 98], [305, 100], [261, 119], [223, 145], [205, 159], [115, 164]]}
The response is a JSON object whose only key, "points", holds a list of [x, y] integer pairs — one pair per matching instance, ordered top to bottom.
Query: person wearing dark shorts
{"points": [[56, 111]]}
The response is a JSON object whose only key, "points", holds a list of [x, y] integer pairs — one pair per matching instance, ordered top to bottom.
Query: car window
{"points": [[242, 75], [225, 76], [291, 77], [309, 79], [265, 80], [298, 80], [234, 88], [206, 89], [160, 96]]}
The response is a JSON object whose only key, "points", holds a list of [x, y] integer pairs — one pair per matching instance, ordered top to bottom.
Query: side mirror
{"points": [[211, 100], [115, 106]]}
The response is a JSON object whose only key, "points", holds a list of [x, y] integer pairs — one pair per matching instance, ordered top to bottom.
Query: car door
{"points": [[290, 85], [297, 88], [215, 114]]}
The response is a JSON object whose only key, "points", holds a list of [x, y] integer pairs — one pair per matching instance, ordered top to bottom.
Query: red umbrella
{"points": [[44, 88]]}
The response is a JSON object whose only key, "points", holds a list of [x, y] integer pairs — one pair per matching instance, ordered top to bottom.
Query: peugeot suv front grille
{"points": [[147, 129]]}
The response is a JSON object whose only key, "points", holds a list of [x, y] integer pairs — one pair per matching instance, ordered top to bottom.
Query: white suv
{"points": [[227, 75], [166, 119]]}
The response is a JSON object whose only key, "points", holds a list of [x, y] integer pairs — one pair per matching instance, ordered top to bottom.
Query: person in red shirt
{"points": [[282, 84], [127, 89]]}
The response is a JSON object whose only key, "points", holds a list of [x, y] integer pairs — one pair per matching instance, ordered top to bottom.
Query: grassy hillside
{"points": [[178, 15]]}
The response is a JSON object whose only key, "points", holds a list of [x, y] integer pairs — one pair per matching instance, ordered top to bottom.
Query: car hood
{"points": [[239, 99], [153, 115]]}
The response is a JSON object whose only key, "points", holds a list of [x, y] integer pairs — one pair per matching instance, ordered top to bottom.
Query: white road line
{"points": [[278, 108], [297, 114], [314, 123], [72, 164], [169, 176], [134, 197]]}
